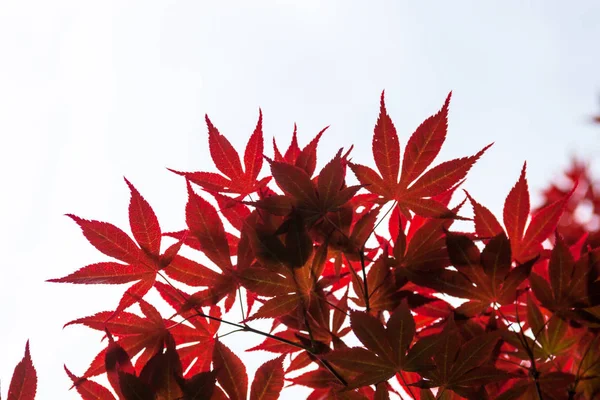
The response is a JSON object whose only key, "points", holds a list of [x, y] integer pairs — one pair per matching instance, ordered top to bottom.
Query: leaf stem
{"points": [[361, 254], [239, 290], [247, 328]]}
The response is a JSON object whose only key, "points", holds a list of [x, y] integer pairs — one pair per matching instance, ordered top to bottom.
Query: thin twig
{"points": [[361, 254]]}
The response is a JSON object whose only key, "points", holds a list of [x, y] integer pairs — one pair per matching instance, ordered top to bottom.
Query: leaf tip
{"points": [[447, 102], [382, 109], [74, 218]]}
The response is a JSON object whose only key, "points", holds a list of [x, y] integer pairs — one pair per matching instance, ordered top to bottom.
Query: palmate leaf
{"points": [[305, 159], [238, 180], [413, 192], [311, 201], [525, 243], [294, 251], [141, 263], [484, 277], [573, 287], [293, 290], [553, 335], [388, 349], [462, 366], [118, 367], [163, 372], [160, 378]]}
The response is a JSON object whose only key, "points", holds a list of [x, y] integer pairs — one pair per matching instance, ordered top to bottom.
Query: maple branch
{"points": [[384, 215], [362, 256], [362, 263], [351, 268], [239, 290], [247, 328], [229, 333], [521, 336], [325, 363], [533, 371]]}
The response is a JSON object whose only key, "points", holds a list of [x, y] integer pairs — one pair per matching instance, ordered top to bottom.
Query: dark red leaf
{"points": [[331, 180], [296, 182], [496, 258], [266, 282], [277, 306], [371, 332], [400, 332], [116, 363], [231, 372], [268, 381], [23, 384], [133, 388]]}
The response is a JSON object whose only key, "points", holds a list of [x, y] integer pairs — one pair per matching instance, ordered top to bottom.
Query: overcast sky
{"points": [[94, 91]]}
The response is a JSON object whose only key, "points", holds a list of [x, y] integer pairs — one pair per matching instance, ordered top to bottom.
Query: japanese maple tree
{"points": [[412, 308]]}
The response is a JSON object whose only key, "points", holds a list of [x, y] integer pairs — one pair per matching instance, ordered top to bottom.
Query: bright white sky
{"points": [[94, 91]]}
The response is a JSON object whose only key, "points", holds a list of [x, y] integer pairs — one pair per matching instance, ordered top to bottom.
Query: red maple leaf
{"points": [[305, 159], [241, 181], [413, 190], [525, 243], [141, 263]]}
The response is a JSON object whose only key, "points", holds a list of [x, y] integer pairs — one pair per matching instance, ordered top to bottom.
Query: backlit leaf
{"points": [[425, 144], [386, 147], [516, 209], [143, 222], [231, 373], [268, 381], [23, 384], [89, 390]]}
